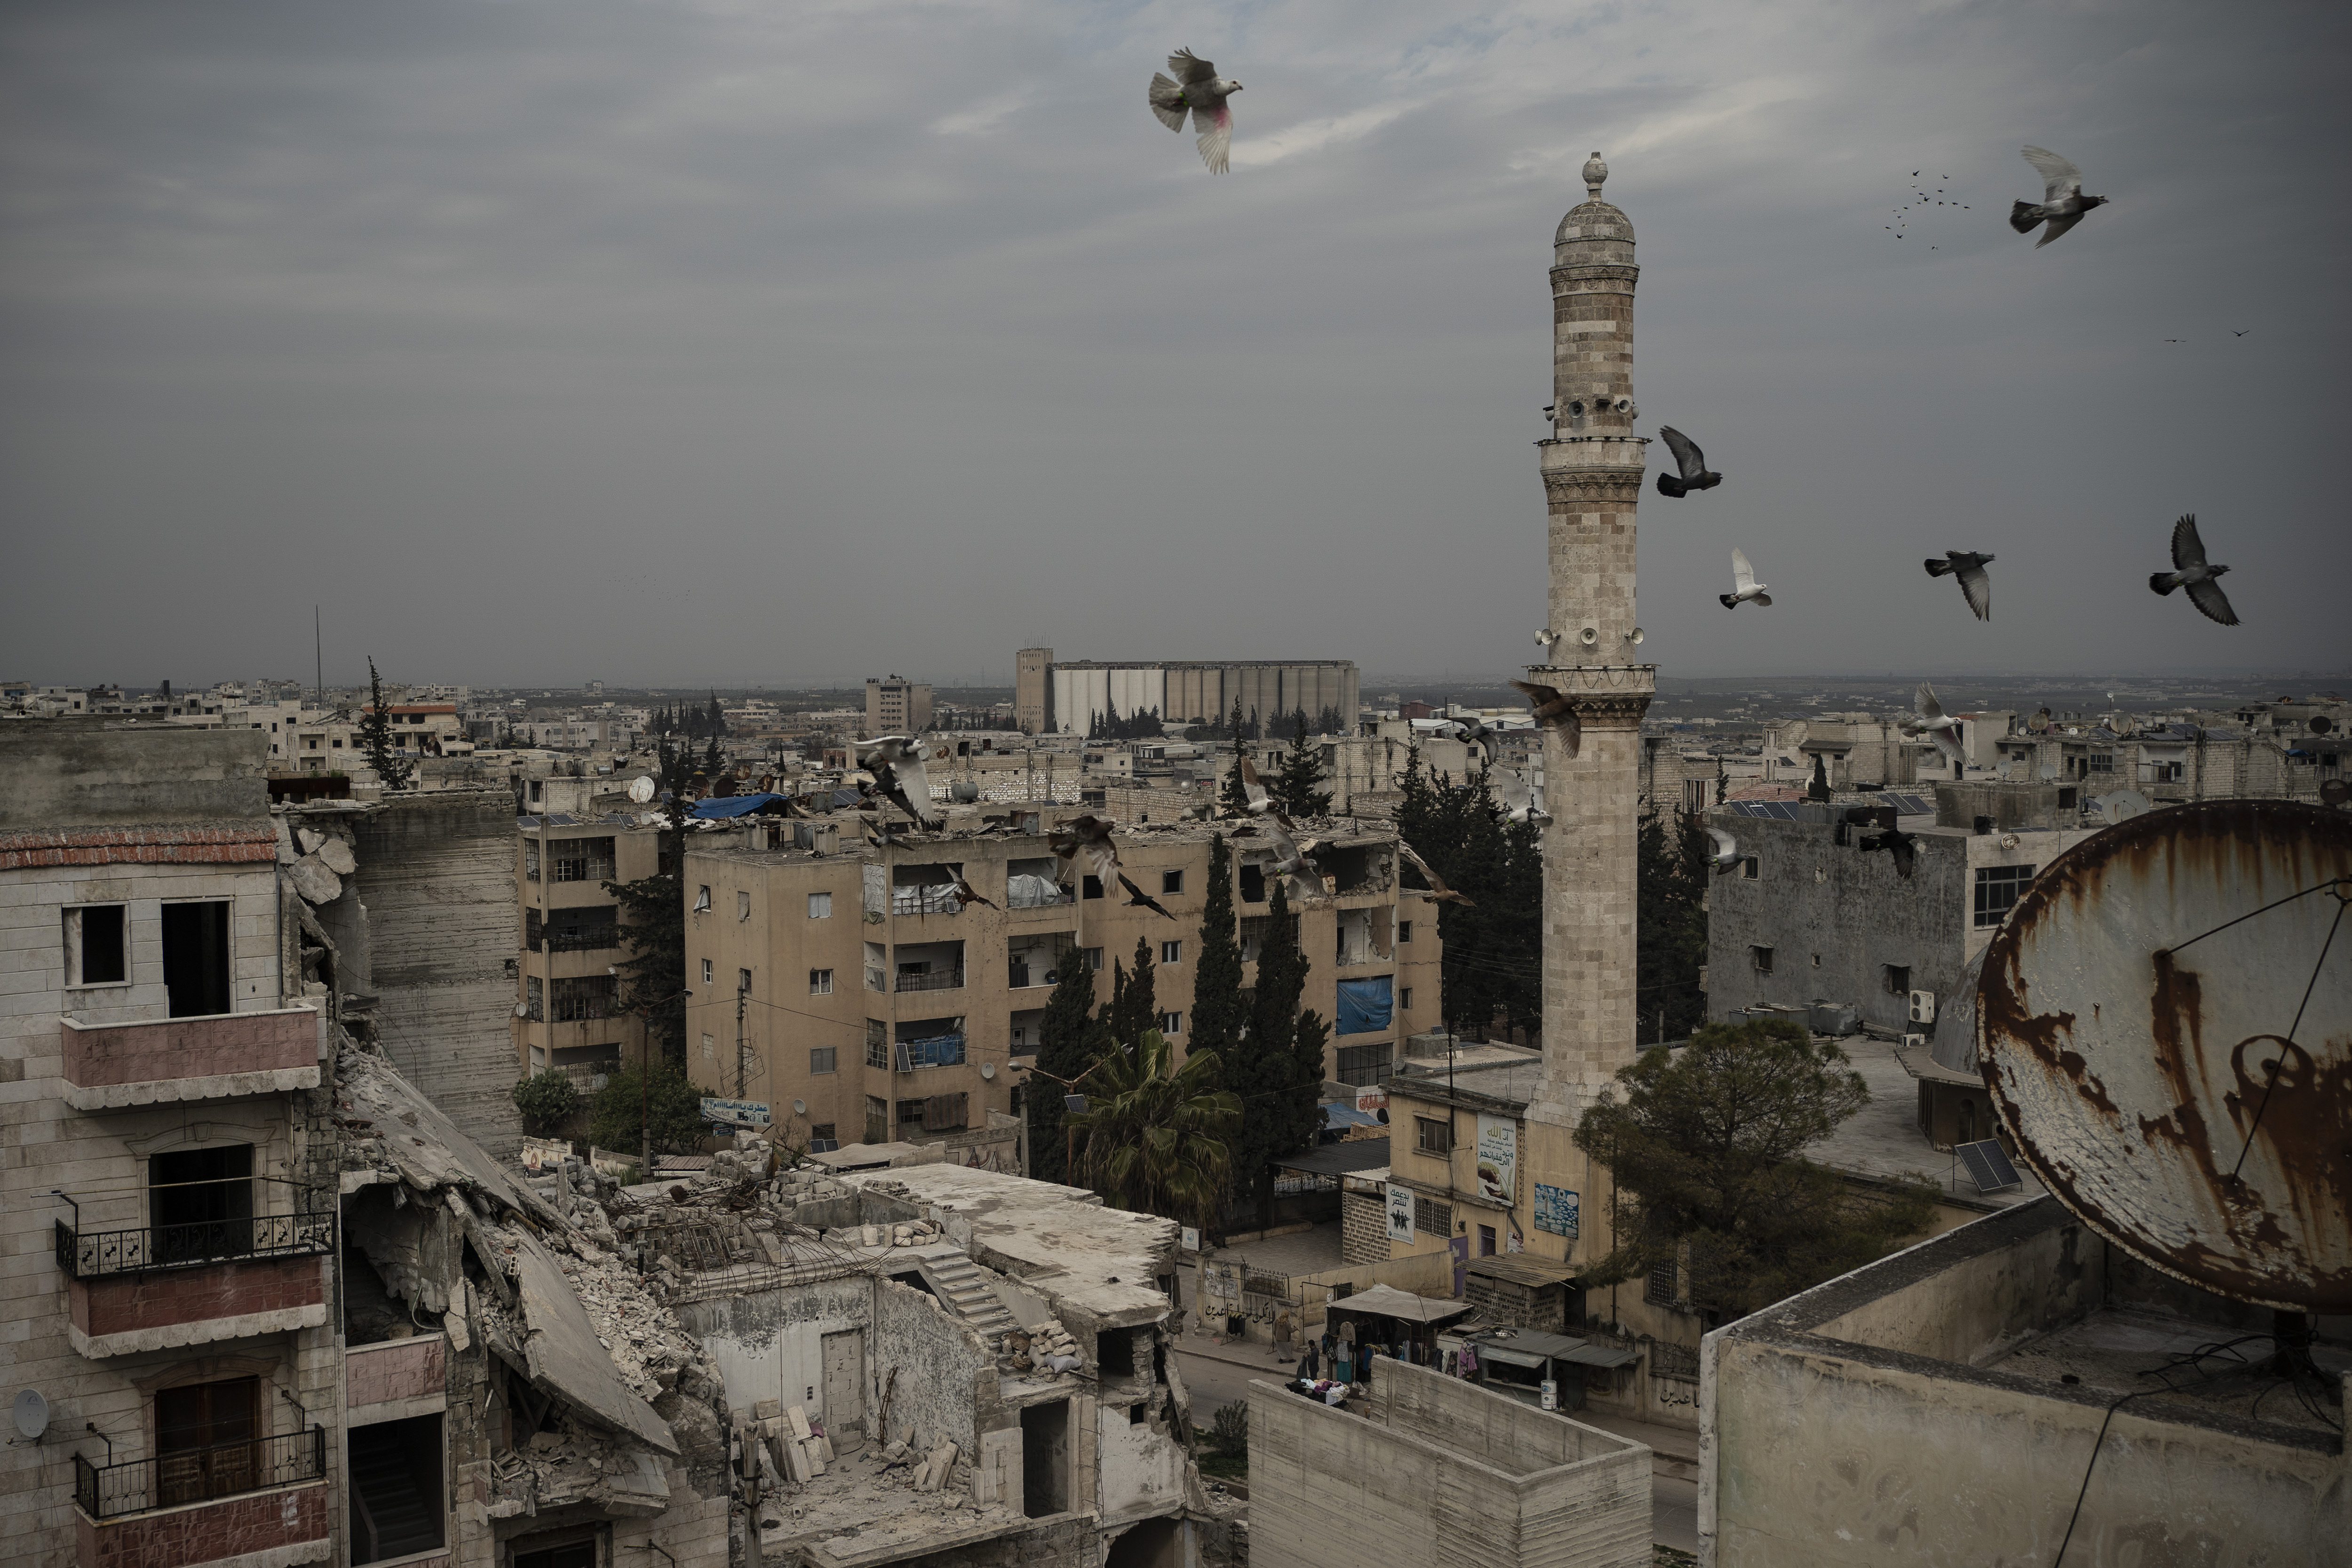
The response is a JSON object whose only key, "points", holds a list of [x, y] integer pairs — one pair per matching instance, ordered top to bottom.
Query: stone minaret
{"points": [[1592, 470]]}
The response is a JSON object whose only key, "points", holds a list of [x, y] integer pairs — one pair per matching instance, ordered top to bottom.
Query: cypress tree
{"points": [[375, 738], [1135, 1005], [1218, 1019], [1066, 1041], [1279, 1095]]}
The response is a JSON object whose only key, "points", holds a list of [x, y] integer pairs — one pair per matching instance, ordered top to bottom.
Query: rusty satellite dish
{"points": [[2165, 1023]]}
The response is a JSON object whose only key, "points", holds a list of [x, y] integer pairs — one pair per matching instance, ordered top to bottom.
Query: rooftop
{"points": [[1883, 1138]]}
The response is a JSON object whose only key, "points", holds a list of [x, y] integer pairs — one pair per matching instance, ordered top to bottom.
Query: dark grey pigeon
{"points": [[2062, 201], [1690, 459], [2194, 574], [1975, 585]]}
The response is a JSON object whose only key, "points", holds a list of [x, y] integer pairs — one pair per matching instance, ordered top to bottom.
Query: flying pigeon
{"points": [[1197, 87], [2062, 201], [1690, 459], [2189, 555], [1744, 584], [1976, 586], [1553, 712], [1929, 719], [899, 776], [1254, 790], [1518, 800], [1088, 835], [1899, 844], [1726, 854], [1290, 858], [1438, 890], [964, 897], [1139, 899]]}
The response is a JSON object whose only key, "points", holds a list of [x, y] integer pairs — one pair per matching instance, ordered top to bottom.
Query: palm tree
{"points": [[1156, 1133]]}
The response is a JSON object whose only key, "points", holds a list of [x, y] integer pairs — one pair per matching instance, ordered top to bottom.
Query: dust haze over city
{"points": [[730, 345]]}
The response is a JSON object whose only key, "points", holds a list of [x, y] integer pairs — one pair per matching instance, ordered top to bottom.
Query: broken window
{"points": [[1172, 881], [1252, 884], [1404, 931], [98, 948], [1761, 957], [196, 959], [1898, 980], [580, 998], [535, 999], [878, 1043], [877, 1120], [821, 1138], [200, 1204], [395, 1481]]}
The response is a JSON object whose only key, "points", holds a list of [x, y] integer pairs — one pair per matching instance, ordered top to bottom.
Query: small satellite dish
{"points": [[2321, 723], [2048, 772], [641, 789], [2335, 792], [522, 1009], [988, 1069], [800, 1107], [32, 1414]]}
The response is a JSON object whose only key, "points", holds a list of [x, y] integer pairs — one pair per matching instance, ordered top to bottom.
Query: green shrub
{"points": [[547, 1101], [617, 1116], [1229, 1428]]}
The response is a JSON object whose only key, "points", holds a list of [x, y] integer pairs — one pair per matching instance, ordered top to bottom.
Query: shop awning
{"points": [[1338, 1159], [1388, 1302], [1597, 1355], [1510, 1357]]}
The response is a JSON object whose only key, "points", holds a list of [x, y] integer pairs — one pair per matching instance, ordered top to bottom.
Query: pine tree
{"points": [[375, 737], [712, 761], [1294, 785], [1671, 858], [652, 921], [1494, 953], [1135, 1005], [1218, 1018], [1066, 1041], [1280, 1095]]}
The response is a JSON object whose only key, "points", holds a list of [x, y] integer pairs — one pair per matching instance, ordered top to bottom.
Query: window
{"points": [[2103, 762], [534, 784], [534, 789], [531, 859], [1749, 867], [1172, 881], [1252, 884], [1091, 887], [1998, 889], [702, 900], [742, 906], [820, 906], [1404, 931], [98, 950], [1171, 952], [1093, 955], [1762, 958], [195, 959], [1817, 961], [706, 972], [743, 980], [1898, 980], [820, 981], [1404, 998], [535, 999], [574, 1001], [1172, 1022], [878, 1043], [709, 1048], [821, 1060], [1364, 1065], [910, 1110], [877, 1120], [1432, 1137], [822, 1140], [1432, 1216], [1486, 1241], [1661, 1288], [204, 1437]]}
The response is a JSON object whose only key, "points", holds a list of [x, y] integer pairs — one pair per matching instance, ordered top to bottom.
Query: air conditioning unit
{"points": [[1923, 1006], [1920, 1041]]}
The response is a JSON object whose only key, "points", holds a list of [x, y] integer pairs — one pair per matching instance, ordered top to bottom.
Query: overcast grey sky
{"points": [[544, 340]]}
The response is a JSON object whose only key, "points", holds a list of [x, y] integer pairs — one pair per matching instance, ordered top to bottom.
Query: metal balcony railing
{"points": [[588, 939], [944, 980], [94, 1254], [199, 1475]]}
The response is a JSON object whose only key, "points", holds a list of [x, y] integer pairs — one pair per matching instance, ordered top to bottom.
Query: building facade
{"points": [[1068, 697], [896, 706], [849, 991], [567, 1012]]}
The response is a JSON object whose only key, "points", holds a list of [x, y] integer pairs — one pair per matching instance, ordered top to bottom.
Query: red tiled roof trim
{"points": [[138, 846]]}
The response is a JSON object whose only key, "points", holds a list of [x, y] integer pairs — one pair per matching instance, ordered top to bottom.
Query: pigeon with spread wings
{"points": [[1200, 91], [2063, 202], [1690, 460], [2194, 574], [1976, 584], [1745, 588], [1550, 710], [1927, 717], [899, 776], [1254, 791], [1518, 800], [1088, 837], [1903, 846], [1724, 852], [1290, 858], [1438, 890], [965, 897], [1137, 899]]}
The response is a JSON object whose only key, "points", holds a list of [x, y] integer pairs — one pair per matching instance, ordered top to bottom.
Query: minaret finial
{"points": [[1595, 173]]}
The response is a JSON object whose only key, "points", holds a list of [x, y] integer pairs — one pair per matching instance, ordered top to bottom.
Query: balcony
{"points": [[937, 980], [161, 1061], [159, 1287], [236, 1499]]}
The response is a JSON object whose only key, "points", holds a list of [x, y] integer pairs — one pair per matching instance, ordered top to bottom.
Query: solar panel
{"points": [[1989, 1166]]}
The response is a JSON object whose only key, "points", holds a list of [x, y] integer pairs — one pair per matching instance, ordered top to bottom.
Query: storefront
{"points": [[1392, 1322], [1521, 1363]]}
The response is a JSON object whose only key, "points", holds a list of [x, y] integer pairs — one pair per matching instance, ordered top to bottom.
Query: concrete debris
{"points": [[336, 857], [316, 883]]}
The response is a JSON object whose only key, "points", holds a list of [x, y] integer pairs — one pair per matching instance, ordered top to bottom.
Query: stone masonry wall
{"points": [[1363, 1228]]}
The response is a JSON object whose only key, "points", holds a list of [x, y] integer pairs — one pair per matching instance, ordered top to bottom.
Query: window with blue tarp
{"points": [[1365, 1005], [939, 1051]]}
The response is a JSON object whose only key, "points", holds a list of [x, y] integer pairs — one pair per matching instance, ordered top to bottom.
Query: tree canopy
{"points": [[376, 739], [1293, 784], [653, 921], [1671, 925], [1491, 974], [1220, 1017], [1069, 1040], [1280, 1087], [628, 1105], [1156, 1135], [1706, 1147]]}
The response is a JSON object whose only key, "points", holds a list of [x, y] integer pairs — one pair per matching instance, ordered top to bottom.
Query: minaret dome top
{"points": [[1596, 173], [1594, 219]]}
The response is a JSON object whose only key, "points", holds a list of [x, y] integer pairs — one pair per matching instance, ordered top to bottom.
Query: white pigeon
{"points": [[1200, 90], [2062, 201], [2194, 574], [1743, 585], [1927, 717], [897, 762], [1518, 800], [1261, 803], [1725, 853], [1290, 858]]}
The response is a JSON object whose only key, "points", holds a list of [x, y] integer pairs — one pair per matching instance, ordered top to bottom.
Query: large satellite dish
{"points": [[641, 789], [2165, 1023], [32, 1414]]}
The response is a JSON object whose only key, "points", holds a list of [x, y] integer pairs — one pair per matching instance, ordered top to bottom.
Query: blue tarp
{"points": [[721, 808], [1364, 1005], [1336, 1117]]}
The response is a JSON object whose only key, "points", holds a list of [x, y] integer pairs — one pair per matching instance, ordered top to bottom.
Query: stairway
{"points": [[959, 1282], [384, 1493]]}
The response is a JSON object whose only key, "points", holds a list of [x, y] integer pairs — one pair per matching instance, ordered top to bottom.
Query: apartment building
{"points": [[896, 706], [848, 989], [567, 998], [169, 1172]]}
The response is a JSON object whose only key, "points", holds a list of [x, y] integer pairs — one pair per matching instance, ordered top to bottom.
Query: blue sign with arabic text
{"points": [[1557, 1211]]}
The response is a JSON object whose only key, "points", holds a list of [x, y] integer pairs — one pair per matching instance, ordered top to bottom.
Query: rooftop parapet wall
{"points": [[88, 772]]}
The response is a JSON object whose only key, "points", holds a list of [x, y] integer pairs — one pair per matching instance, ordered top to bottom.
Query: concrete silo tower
{"points": [[1592, 470]]}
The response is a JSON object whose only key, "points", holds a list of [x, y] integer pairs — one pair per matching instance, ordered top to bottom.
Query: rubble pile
{"points": [[1051, 1350]]}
